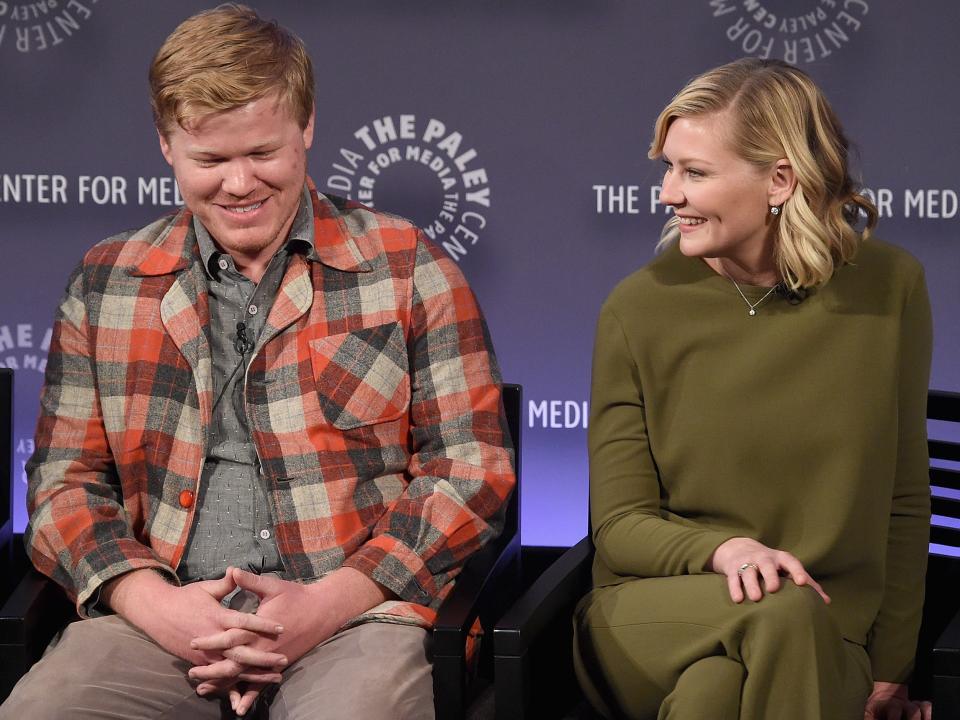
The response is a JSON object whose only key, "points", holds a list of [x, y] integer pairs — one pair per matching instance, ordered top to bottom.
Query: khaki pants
{"points": [[678, 648], [106, 668]]}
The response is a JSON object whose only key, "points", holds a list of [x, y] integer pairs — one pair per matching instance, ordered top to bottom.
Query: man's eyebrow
{"points": [[260, 147]]}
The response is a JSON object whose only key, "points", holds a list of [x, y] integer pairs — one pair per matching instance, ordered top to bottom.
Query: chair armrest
{"points": [[485, 586], [472, 592], [552, 596], [35, 611], [533, 670], [946, 671]]}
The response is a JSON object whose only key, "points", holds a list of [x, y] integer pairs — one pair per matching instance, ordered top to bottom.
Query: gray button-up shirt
{"points": [[233, 525]]}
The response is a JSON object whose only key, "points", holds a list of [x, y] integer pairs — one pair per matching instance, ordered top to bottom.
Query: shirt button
{"points": [[223, 263], [252, 309], [186, 498], [265, 534]]}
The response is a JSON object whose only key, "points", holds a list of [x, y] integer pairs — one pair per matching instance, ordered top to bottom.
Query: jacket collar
{"points": [[334, 243]]}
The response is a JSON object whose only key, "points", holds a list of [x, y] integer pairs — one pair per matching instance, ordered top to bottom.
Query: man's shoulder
{"points": [[363, 216], [373, 231], [127, 249]]}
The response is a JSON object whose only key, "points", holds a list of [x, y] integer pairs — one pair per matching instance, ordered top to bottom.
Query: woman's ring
{"points": [[747, 566]]}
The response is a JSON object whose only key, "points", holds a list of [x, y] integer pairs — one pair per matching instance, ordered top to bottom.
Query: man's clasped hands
{"points": [[238, 653]]}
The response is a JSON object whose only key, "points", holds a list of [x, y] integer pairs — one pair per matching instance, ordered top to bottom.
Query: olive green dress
{"points": [[803, 427]]}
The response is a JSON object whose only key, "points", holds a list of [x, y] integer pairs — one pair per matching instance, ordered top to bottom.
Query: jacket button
{"points": [[186, 498]]}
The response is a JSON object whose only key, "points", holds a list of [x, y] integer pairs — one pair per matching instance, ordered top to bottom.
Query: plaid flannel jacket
{"points": [[373, 399]]}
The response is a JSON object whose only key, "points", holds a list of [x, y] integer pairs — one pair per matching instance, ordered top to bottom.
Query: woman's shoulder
{"points": [[888, 255], [891, 262], [880, 275], [649, 283]]}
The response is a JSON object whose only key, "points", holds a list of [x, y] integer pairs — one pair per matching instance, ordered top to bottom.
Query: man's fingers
{"points": [[258, 584], [219, 588], [251, 621], [223, 640], [246, 655], [220, 670], [227, 670], [262, 677], [218, 686], [207, 688], [234, 695], [246, 701]]}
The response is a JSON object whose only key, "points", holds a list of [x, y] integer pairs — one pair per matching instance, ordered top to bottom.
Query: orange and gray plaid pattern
{"points": [[373, 398]]}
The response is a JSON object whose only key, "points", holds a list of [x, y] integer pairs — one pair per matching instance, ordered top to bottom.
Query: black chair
{"points": [[6, 458], [489, 583], [487, 586], [533, 641]]}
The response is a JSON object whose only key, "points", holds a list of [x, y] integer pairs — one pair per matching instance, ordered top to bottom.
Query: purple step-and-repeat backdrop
{"points": [[515, 133]]}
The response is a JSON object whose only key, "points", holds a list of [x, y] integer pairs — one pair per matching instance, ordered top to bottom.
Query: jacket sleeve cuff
{"points": [[111, 561], [392, 564]]}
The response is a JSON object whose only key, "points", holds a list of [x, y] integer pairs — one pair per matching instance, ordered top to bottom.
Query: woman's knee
{"points": [[792, 611]]}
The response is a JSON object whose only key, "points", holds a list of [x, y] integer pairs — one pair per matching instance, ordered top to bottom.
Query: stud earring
{"points": [[774, 210]]}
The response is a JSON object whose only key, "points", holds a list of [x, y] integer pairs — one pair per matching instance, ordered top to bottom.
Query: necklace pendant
{"points": [[752, 311]]}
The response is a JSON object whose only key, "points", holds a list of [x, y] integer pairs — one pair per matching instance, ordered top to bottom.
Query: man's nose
{"points": [[238, 178]]}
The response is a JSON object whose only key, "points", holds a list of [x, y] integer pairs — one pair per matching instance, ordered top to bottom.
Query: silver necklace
{"points": [[753, 306]]}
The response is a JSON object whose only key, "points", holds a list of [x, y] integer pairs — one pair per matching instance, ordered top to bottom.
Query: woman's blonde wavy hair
{"points": [[224, 58], [778, 112]]}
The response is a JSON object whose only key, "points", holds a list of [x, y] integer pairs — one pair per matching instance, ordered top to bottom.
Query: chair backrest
{"points": [[943, 408], [513, 409], [6, 455], [943, 567]]}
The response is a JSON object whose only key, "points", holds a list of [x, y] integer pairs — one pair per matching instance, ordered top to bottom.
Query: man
{"points": [[273, 381]]}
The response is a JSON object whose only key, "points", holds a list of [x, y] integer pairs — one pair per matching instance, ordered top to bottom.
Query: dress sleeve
{"points": [[461, 467], [631, 534], [893, 637]]}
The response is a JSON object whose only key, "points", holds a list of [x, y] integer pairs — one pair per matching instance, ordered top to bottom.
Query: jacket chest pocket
{"points": [[362, 377]]}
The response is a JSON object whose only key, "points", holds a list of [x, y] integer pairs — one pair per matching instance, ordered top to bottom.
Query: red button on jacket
{"points": [[186, 498]]}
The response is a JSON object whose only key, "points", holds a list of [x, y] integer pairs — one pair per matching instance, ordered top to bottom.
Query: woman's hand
{"points": [[745, 562], [890, 701]]}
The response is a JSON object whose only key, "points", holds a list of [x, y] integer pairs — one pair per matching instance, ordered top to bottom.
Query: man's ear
{"points": [[308, 130], [165, 147], [783, 181]]}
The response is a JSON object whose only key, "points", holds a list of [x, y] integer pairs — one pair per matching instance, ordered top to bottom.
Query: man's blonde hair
{"points": [[224, 58], [777, 111]]}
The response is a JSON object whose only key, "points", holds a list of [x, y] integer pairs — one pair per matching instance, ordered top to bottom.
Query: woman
{"points": [[758, 460]]}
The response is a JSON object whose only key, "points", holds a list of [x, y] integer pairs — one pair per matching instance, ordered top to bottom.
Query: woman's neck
{"points": [[764, 274]]}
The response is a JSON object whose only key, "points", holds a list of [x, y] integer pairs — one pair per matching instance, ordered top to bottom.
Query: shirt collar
{"points": [[300, 238]]}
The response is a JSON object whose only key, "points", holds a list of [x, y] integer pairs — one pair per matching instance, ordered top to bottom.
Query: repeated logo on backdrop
{"points": [[43, 24], [798, 31], [422, 168]]}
